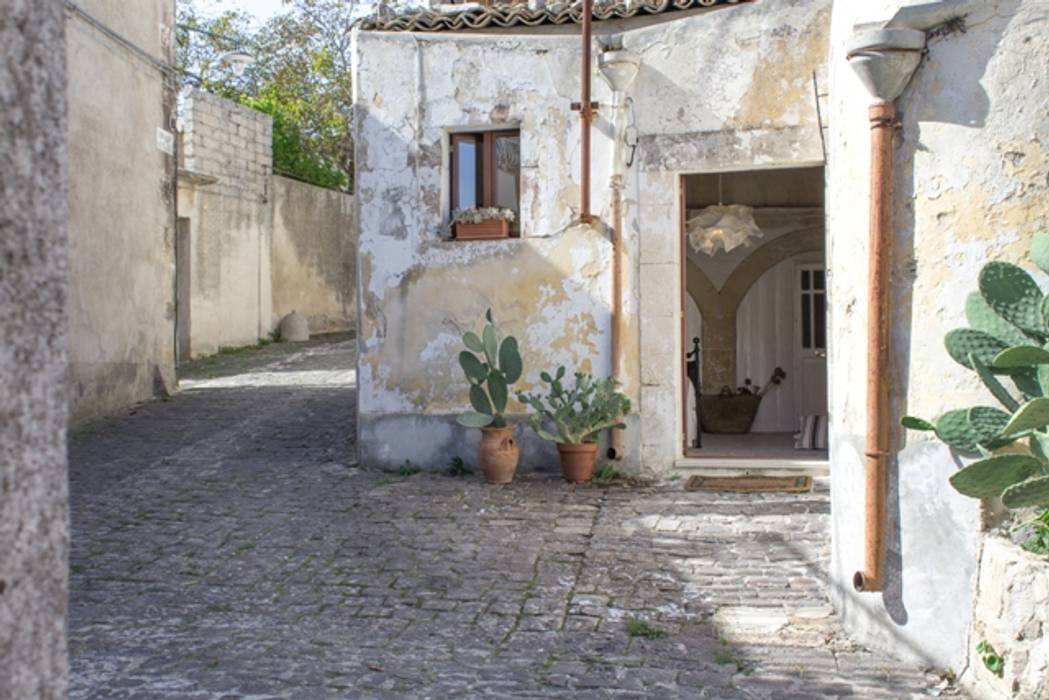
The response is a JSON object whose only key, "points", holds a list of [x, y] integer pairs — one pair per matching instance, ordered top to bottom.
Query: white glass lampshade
{"points": [[722, 227]]}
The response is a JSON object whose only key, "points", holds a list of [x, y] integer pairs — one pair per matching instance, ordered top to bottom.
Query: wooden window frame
{"points": [[485, 141]]}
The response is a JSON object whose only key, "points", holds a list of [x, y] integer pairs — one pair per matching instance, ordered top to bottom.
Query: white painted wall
{"points": [[970, 180]]}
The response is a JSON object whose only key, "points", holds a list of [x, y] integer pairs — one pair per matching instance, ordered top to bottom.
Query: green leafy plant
{"points": [[1007, 342], [491, 366], [578, 414], [457, 467], [408, 468], [608, 474], [1038, 542], [636, 627], [991, 658]]}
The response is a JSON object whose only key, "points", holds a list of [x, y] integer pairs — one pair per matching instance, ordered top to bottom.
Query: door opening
{"points": [[182, 289], [754, 316]]}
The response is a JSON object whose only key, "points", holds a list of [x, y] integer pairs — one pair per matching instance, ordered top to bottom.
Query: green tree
{"points": [[300, 77]]}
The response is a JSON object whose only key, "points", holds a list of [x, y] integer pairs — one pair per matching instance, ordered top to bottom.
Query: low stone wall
{"points": [[314, 241], [1012, 615]]}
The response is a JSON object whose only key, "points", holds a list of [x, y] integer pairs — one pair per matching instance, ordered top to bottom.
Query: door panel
{"points": [[810, 318]]}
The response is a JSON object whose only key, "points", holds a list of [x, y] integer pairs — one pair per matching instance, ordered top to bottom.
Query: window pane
{"points": [[507, 169], [467, 174], [804, 279], [818, 279], [806, 319], [820, 325]]}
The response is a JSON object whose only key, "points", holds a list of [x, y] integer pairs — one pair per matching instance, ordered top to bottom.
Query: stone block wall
{"points": [[229, 222], [34, 537], [1012, 615]]}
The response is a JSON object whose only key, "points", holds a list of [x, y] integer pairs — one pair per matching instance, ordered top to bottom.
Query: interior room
{"points": [[755, 323]]}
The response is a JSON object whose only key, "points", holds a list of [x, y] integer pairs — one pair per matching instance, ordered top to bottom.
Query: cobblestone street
{"points": [[225, 546]]}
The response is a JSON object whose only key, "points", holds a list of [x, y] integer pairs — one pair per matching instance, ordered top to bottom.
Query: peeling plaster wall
{"points": [[970, 180], [121, 187], [314, 245], [552, 287]]}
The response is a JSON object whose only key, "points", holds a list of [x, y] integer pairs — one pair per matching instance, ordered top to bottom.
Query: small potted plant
{"points": [[482, 223], [491, 367], [577, 415]]}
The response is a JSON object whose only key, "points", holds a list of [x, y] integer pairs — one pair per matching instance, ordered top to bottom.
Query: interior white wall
{"points": [[766, 340]]}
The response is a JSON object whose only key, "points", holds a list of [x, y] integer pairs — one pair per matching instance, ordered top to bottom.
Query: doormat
{"points": [[750, 484]]}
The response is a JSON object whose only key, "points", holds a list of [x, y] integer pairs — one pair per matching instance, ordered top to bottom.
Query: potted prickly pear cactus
{"points": [[1005, 344], [491, 366], [577, 415]]}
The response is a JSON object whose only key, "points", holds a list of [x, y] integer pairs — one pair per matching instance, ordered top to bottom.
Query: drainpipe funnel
{"points": [[885, 59], [618, 68]]}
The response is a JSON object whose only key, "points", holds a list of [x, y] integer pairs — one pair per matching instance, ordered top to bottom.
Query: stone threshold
{"points": [[750, 466]]}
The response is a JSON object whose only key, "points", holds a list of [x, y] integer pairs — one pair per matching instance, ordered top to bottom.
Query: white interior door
{"points": [[810, 324]]}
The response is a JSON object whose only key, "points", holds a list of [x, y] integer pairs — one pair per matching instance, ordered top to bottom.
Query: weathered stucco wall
{"points": [[970, 186], [230, 222], [314, 254], [552, 287], [121, 301], [33, 404]]}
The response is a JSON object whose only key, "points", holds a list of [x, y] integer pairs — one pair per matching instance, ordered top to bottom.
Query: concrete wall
{"points": [[970, 186], [230, 222], [314, 254], [121, 259], [552, 287], [34, 538]]}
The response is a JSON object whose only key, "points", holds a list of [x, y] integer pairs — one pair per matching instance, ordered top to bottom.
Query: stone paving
{"points": [[226, 546]]}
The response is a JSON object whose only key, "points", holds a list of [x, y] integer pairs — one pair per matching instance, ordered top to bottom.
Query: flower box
{"points": [[489, 229]]}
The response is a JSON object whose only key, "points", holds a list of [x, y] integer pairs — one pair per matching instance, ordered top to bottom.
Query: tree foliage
{"points": [[300, 77]]}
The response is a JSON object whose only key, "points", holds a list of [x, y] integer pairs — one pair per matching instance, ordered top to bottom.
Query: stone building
{"points": [[755, 104]]}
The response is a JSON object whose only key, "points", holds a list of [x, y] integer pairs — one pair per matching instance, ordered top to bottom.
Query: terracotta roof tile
{"points": [[517, 14]]}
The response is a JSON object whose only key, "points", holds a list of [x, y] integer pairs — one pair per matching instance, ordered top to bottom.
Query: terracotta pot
{"points": [[489, 229], [498, 454], [577, 460]]}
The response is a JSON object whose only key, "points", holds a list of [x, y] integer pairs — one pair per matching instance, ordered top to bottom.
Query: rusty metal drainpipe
{"points": [[884, 58], [586, 114], [883, 127], [617, 442]]}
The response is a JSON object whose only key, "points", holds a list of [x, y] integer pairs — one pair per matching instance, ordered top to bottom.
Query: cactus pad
{"points": [[1040, 250], [1014, 296], [983, 318], [963, 342], [1021, 357], [510, 360], [994, 386], [1033, 415], [474, 420], [987, 422], [914, 423], [954, 429], [988, 478], [1033, 492]]}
